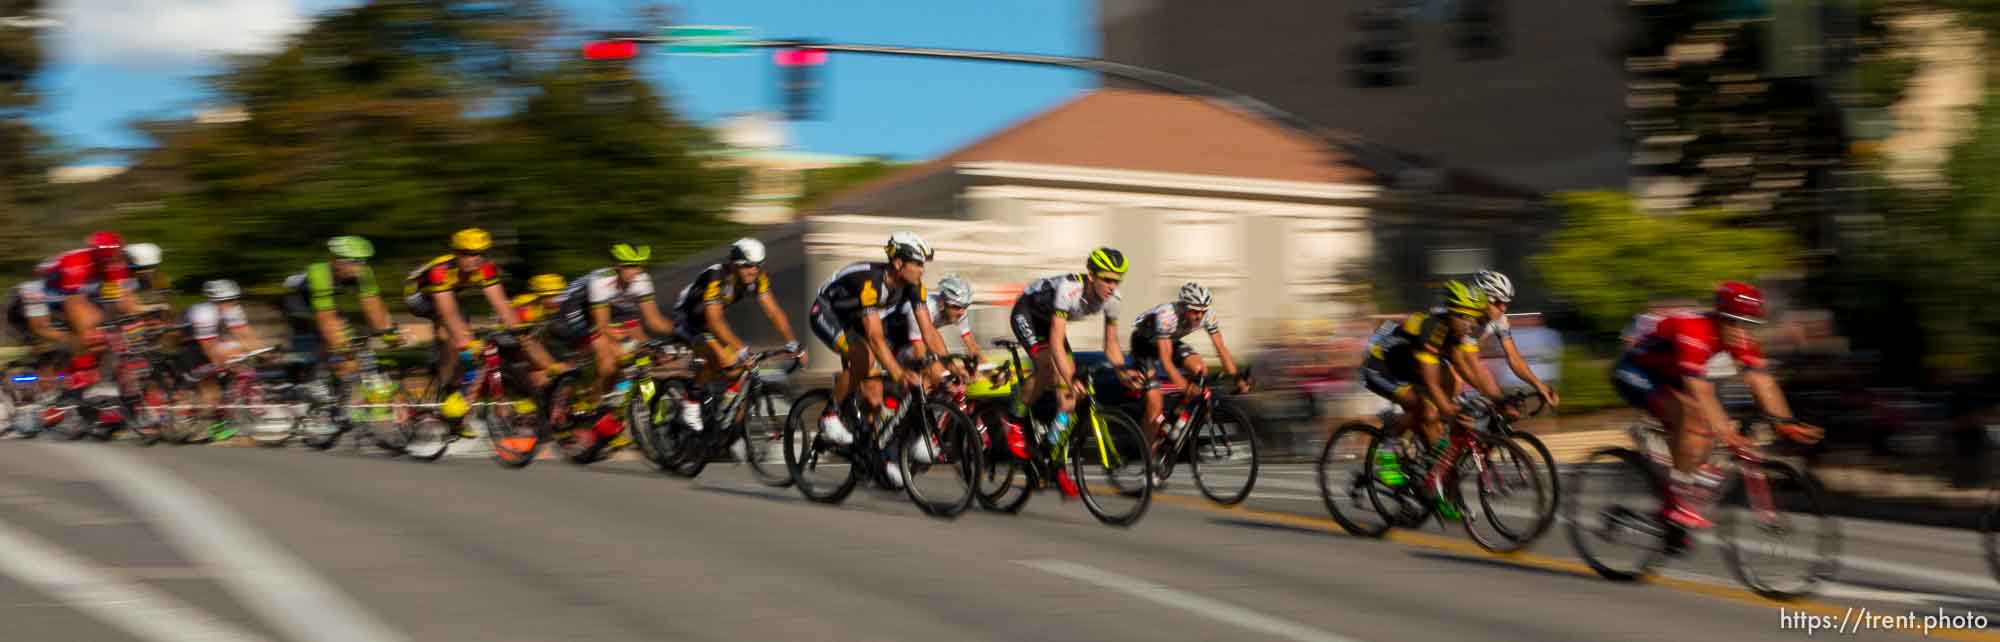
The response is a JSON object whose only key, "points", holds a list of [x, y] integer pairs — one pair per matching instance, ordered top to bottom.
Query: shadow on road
{"points": [[1501, 563]]}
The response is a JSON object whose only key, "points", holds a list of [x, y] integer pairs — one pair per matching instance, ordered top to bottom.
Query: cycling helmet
{"points": [[471, 239], [908, 246], [105, 247], [352, 248], [747, 250], [629, 254], [142, 255], [1107, 260], [546, 284], [1498, 288], [221, 290], [955, 291], [1195, 296], [1463, 299], [1740, 301]]}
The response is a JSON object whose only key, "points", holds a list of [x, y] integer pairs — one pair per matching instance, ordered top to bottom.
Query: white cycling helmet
{"points": [[907, 245], [747, 250], [142, 255], [1498, 287], [221, 290], [955, 291], [1195, 296]]}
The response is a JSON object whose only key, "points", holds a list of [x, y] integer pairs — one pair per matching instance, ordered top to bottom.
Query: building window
{"points": [[1201, 244], [1453, 262]]}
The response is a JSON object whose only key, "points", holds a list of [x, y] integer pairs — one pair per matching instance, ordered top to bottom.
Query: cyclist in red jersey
{"points": [[69, 279], [1665, 373]]}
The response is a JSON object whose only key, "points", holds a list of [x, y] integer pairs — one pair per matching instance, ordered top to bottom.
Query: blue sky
{"points": [[906, 108]]}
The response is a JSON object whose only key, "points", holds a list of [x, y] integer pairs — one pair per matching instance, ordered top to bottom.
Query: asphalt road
{"points": [[102, 542]]}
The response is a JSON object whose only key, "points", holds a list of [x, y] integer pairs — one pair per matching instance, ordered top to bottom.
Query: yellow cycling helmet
{"points": [[471, 239], [629, 254], [1105, 260], [546, 284], [1464, 299]]}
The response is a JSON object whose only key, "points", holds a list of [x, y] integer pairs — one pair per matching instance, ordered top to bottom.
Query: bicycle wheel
{"points": [[152, 411], [265, 416], [385, 420], [321, 421], [564, 421], [763, 431], [514, 432], [428, 435], [682, 451], [940, 461], [1224, 461], [1545, 465], [1112, 467], [823, 472], [1344, 477], [1003, 478], [1505, 499], [1404, 505], [1612, 513], [1989, 533], [1780, 563]]}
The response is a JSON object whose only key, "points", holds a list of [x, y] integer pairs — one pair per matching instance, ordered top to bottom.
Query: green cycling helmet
{"points": [[352, 248], [629, 254], [1105, 260], [1464, 299]]}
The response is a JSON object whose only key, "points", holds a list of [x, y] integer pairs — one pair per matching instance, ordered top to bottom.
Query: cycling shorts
{"points": [[1030, 329], [1145, 355], [1637, 385]]}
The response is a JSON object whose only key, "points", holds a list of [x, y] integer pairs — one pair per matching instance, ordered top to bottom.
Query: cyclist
{"points": [[142, 262], [80, 283], [433, 294], [1499, 296], [592, 303], [950, 305], [536, 309], [312, 311], [848, 316], [698, 318], [1041, 318], [208, 322], [42, 333], [1157, 347], [1418, 363], [1664, 373]]}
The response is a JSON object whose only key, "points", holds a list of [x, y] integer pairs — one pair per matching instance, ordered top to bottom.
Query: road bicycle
{"points": [[494, 397], [630, 404], [749, 412], [1215, 437], [934, 444], [1104, 459], [1498, 488], [1617, 501]]}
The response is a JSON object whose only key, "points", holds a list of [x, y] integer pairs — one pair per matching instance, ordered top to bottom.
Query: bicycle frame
{"points": [[1086, 412]]}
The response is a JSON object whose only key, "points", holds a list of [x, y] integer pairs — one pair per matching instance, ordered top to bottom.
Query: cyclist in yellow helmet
{"points": [[433, 293], [592, 305], [538, 308], [1041, 319]]}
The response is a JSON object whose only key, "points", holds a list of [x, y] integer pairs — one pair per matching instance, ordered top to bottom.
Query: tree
{"points": [[825, 182], [24, 189], [1610, 260]]}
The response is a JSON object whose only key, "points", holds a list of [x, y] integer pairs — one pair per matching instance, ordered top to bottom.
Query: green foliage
{"points": [[822, 183], [1610, 259], [1586, 381]]}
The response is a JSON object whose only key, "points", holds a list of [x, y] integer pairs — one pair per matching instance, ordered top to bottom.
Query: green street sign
{"points": [[706, 40]]}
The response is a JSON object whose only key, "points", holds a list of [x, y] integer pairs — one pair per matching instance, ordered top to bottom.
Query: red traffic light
{"points": [[610, 49], [799, 57]]}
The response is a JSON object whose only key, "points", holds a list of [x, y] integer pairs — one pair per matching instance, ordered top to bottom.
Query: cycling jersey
{"points": [[75, 271], [442, 274], [717, 285], [599, 289], [858, 289], [314, 290], [1046, 298], [30, 301], [207, 319], [1165, 321], [904, 322], [1680, 344], [1396, 349]]}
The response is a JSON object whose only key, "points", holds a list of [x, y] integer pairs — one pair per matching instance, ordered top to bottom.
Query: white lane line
{"points": [[257, 571], [1185, 601], [134, 608]]}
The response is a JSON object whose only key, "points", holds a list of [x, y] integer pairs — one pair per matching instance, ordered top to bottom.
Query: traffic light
{"points": [[610, 49], [1382, 58], [799, 81]]}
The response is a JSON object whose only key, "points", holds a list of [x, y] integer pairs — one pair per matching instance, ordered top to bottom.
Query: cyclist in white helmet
{"points": [[1499, 296], [949, 306], [221, 332], [1158, 349]]}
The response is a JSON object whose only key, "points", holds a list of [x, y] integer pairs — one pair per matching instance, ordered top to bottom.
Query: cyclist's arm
{"points": [[497, 297], [128, 303], [378, 314], [84, 317], [777, 317], [600, 318], [454, 323], [656, 324], [871, 325], [41, 327], [719, 327], [331, 328], [246, 337], [932, 340], [1164, 346], [972, 347], [213, 348], [1058, 348], [1112, 350], [1222, 351], [1465, 360], [1519, 365], [1431, 370], [1764, 388], [1709, 405]]}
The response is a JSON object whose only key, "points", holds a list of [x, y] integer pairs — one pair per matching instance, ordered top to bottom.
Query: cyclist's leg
{"points": [[1028, 332]]}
